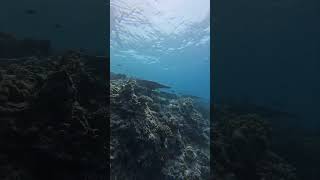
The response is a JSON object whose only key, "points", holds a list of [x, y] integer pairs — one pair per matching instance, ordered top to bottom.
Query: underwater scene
{"points": [[163, 41], [160, 89], [65, 116]]}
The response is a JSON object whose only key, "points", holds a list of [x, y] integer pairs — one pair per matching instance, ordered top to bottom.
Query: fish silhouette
{"points": [[31, 11], [58, 26]]}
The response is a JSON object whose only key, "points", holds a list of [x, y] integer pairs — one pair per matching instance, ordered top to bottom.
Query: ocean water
{"points": [[71, 24], [166, 41]]}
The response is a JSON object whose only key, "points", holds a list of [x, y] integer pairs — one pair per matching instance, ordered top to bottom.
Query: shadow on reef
{"points": [[53, 114], [154, 134], [242, 147]]}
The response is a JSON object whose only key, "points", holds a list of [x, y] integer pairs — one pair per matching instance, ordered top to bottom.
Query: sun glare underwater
{"points": [[163, 41]]}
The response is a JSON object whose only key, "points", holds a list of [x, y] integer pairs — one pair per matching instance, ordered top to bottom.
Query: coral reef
{"points": [[53, 117], [54, 124], [155, 135], [241, 148]]}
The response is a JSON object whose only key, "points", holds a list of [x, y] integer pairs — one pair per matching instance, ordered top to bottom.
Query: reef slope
{"points": [[156, 135]]}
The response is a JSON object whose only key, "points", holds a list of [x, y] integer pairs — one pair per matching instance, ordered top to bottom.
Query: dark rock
{"points": [[151, 84]]}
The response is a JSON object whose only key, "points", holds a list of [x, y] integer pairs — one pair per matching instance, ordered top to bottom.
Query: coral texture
{"points": [[53, 118], [156, 135]]}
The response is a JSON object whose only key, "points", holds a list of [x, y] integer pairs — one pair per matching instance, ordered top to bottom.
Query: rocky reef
{"points": [[53, 117], [59, 118], [54, 120], [156, 135], [241, 147]]}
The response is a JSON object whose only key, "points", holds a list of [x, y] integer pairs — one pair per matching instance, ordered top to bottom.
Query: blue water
{"points": [[166, 41]]}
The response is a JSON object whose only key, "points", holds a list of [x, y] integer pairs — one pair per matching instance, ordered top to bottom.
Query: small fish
{"points": [[30, 11], [58, 26]]}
